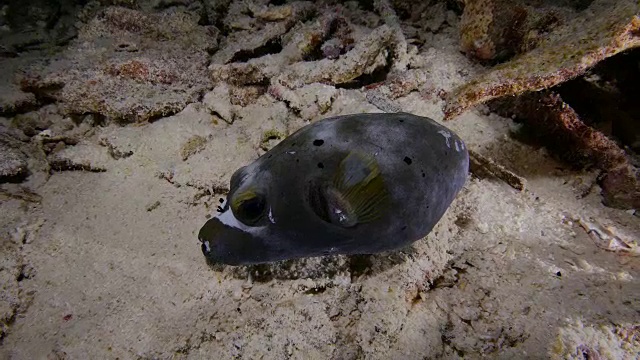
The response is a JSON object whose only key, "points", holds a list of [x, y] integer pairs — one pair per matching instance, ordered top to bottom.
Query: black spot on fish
{"points": [[401, 120], [318, 142], [297, 160], [407, 160], [321, 165], [423, 174], [221, 200], [404, 228]]}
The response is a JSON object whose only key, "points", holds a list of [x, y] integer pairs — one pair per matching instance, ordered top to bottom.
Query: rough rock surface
{"points": [[606, 28], [129, 66], [549, 117], [13, 163]]}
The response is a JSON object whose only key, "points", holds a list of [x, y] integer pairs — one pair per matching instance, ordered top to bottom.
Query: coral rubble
{"points": [[604, 29], [129, 66], [566, 134]]}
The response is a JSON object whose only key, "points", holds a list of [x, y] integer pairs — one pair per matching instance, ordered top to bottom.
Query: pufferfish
{"points": [[353, 184]]}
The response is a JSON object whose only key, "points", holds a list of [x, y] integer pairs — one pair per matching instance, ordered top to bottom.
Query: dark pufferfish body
{"points": [[354, 184]]}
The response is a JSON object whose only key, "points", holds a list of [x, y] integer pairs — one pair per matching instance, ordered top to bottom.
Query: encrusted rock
{"points": [[606, 28], [241, 43], [130, 66], [13, 100], [560, 128], [13, 163]]}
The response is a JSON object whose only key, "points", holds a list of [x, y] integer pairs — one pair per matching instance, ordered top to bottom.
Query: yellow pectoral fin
{"points": [[358, 194]]}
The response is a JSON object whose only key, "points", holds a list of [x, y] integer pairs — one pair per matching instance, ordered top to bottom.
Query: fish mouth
{"points": [[212, 236], [224, 241], [205, 246]]}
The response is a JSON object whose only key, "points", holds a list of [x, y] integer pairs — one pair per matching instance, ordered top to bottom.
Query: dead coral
{"points": [[36, 25], [499, 29], [605, 29], [340, 41], [247, 43], [297, 45], [333, 49], [366, 56], [400, 57], [362, 59], [161, 70], [381, 95], [243, 96], [606, 98], [12, 100], [309, 100], [218, 102], [553, 120], [270, 138], [114, 152], [83, 156], [13, 163], [67, 165], [484, 167], [608, 237], [14, 300]]}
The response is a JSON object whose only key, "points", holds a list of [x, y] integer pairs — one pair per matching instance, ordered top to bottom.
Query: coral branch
{"points": [[609, 28], [400, 56], [357, 61], [553, 119], [485, 167]]}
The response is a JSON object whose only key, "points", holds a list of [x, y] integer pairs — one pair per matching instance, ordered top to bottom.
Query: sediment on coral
{"points": [[605, 29], [497, 30], [263, 31], [329, 47], [128, 65], [605, 98], [13, 101], [574, 116], [591, 121], [553, 122]]}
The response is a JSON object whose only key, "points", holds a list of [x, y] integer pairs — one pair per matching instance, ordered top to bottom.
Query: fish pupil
{"points": [[252, 209]]}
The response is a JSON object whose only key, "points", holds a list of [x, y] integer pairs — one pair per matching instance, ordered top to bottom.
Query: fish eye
{"points": [[249, 207]]}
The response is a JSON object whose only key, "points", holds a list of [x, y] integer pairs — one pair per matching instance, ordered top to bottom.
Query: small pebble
{"points": [[483, 228]]}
